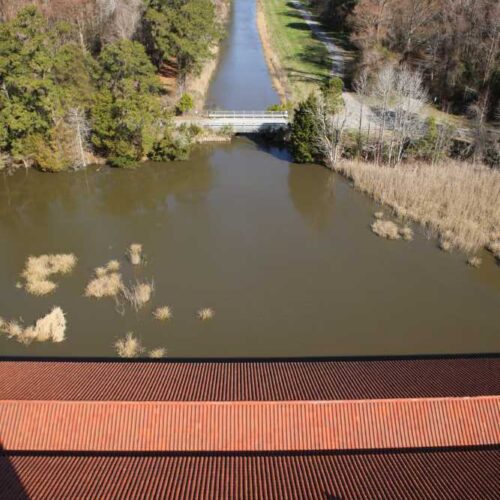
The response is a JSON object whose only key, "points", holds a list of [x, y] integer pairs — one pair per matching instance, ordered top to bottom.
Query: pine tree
{"points": [[304, 138]]}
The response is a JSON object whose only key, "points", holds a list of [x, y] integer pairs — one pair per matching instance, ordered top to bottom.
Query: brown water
{"points": [[283, 253]]}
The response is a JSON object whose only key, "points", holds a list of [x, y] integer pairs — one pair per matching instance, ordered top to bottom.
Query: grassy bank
{"points": [[298, 61], [457, 202]]}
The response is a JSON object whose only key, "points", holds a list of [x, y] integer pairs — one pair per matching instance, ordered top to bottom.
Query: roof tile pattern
{"points": [[250, 380], [253, 426], [404, 475]]}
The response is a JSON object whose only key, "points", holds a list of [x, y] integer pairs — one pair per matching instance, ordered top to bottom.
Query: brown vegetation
{"points": [[458, 202], [386, 229], [134, 253], [475, 261], [37, 270], [104, 285], [139, 294], [162, 313], [206, 313], [51, 327], [129, 346], [159, 352]]}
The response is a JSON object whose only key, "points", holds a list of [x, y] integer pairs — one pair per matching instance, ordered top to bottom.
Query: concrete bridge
{"points": [[240, 122]]}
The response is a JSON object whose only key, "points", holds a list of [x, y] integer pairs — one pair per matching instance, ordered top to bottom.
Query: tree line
{"points": [[78, 78]]}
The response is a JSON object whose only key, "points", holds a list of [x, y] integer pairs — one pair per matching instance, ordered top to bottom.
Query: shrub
{"points": [[185, 104], [128, 347]]}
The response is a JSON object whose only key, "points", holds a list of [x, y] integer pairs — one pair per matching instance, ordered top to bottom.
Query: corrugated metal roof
{"points": [[250, 380], [249, 426], [454, 474]]}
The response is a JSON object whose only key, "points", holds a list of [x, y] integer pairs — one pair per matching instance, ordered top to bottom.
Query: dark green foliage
{"points": [[186, 30], [127, 110], [304, 136]]}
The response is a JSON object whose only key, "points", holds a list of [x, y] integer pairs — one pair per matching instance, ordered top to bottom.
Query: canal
{"points": [[283, 253]]}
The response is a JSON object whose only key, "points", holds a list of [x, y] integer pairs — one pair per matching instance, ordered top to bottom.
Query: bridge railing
{"points": [[256, 115]]}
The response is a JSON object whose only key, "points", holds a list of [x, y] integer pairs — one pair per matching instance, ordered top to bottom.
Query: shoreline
{"points": [[278, 77], [198, 86]]}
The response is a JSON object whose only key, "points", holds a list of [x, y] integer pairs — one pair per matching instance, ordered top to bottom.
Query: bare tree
{"points": [[331, 129], [80, 131]]}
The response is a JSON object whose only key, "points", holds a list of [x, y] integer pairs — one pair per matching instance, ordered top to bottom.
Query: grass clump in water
{"points": [[378, 215], [386, 229], [406, 233], [134, 253], [475, 261], [37, 270], [104, 285], [139, 295], [162, 313], [206, 313], [51, 327], [128, 347], [159, 352]]}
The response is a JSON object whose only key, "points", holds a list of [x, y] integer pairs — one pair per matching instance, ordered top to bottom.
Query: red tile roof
{"points": [[275, 380], [250, 426], [450, 474]]}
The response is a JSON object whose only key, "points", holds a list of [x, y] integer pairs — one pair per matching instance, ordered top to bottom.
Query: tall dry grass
{"points": [[458, 202], [37, 270], [139, 294], [51, 327], [129, 346]]}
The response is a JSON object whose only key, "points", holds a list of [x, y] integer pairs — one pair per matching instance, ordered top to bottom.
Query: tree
{"points": [[186, 30], [127, 110], [304, 137]]}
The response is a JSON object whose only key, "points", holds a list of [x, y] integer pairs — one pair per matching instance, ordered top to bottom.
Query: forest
{"points": [[455, 44], [79, 79]]}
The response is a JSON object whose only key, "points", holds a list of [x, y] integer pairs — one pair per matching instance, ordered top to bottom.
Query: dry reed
{"points": [[453, 197], [378, 215], [386, 229], [406, 233], [134, 253], [475, 261], [37, 270], [107, 285], [139, 294], [162, 313], [206, 313], [51, 327], [128, 347], [159, 352]]}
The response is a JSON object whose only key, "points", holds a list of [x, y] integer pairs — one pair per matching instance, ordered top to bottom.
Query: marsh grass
{"points": [[458, 202], [378, 215], [386, 229], [406, 233], [134, 253], [474, 261], [37, 271], [104, 285], [139, 294], [162, 313], [206, 313], [51, 327], [129, 346], [159, 352]]}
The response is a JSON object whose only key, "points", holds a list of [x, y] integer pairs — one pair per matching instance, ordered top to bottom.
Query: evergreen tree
{"points": [[185, 30], [127, 109], [304, 137]]}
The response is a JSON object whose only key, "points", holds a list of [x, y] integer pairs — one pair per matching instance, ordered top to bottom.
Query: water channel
{"points": [[282, 252]]}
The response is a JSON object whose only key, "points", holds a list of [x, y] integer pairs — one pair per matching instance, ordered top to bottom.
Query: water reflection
{"points": [[312, 191]]}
